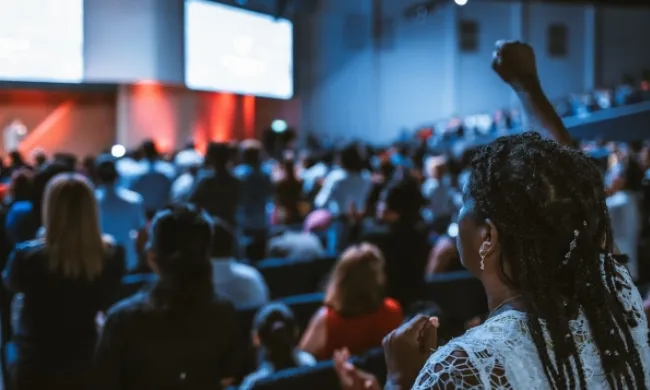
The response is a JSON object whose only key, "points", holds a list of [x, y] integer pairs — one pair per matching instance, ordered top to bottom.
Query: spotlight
{"points": [[461, 2], [279, 126], [118, 151], [452, 231]]}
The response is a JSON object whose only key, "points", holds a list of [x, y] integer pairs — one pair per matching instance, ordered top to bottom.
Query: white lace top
{"points": [[500, 354]]}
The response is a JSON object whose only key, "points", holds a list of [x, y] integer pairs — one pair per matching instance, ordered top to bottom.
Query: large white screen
{"points": [[41, 40], [232, 50]]}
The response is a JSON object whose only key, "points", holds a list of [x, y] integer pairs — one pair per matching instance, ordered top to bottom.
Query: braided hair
{"points": [[548, 204]]}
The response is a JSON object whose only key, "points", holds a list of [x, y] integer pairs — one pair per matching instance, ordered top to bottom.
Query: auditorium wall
{"points": [[624, 44], [413, 73], [78, 122]]}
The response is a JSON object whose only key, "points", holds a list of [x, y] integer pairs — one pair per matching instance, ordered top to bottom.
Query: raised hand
{"points": [[515, 63]]}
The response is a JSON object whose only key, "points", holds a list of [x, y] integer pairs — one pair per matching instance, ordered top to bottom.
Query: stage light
{"points": [[461, 2], [279, 126], [118, 151], [452, 231]]}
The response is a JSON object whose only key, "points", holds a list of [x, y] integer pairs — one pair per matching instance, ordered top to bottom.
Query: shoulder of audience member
{"points": [[129, 196], [30, 246], [248, 272], [132, 305]]}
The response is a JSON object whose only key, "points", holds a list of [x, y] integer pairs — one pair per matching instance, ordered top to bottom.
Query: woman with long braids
{"points": [[534, 229], [177, 335]]}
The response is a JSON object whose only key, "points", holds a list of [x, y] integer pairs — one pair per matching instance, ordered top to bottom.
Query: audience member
{"points": [[188, 162], [153, 180], [346, 187], [216, 189], [256, 193], [288, 194], [439, 195], [624, 210], [122, 213], [24, 218], [402, 238], [304, 245], [66, 279], [236, 282], [356, 314], [275, 333], [176, 335]]}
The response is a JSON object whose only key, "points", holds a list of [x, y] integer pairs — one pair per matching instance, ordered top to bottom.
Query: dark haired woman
{"points": [[534, 229], [177, 334], [276, 334]]}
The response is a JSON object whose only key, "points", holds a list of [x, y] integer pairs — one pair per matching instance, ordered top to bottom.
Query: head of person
{"points": [[149, 150], [251, 152], [217, 155], [39, 157], [16, 158], [351, 159], [105, 170], [40, 183], [20, 186], [400, 201], [534, 222], [73, 236], [224, 243], [178, 250], [356, 286], [275, 332]]}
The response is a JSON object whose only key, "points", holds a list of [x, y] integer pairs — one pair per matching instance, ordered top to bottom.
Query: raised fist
{"points": [[515, 63]]}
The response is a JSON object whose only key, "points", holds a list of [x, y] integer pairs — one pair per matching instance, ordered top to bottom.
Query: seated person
{"points": [[303, 245], [233, 281], [356, 314], [275, 333], [176, 335]]}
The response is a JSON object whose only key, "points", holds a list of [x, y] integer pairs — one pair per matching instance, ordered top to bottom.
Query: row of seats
{"points": [[458, 294], [322, 376]]}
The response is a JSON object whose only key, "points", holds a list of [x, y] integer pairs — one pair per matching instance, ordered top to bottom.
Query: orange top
{"points": [[359, 334]]}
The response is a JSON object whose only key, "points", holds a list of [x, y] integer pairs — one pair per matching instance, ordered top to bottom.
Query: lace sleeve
{"points": [[452, 368]]}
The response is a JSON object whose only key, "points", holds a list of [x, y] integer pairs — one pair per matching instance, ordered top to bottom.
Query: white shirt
{"points": [[13, 135], [312, 175], [181, 187], [342, 189], [440, 197], [122, 215], [625, 216], [239, 283], [501, 351]]}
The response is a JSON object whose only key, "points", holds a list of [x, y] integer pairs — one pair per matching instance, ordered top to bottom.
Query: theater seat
{"points": [[287, 277], [459, 294], [304, 306], [322, 376], [319, 377]]}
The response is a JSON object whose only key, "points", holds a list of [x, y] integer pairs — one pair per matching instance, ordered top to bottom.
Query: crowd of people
{"points": [[541, 223]]}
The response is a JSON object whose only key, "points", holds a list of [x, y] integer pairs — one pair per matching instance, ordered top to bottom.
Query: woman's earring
{"points": [[481, 253]]}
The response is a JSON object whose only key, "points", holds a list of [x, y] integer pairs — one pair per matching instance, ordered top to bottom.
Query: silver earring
{"points": [[482, 254]]}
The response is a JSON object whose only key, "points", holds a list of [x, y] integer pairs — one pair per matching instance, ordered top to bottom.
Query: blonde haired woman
{"points": [[66, 278], [356, 313]]}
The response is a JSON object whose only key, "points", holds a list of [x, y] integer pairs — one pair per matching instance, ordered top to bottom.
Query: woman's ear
{"points": [[490, 238], [151, 261], [255, 339]]}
